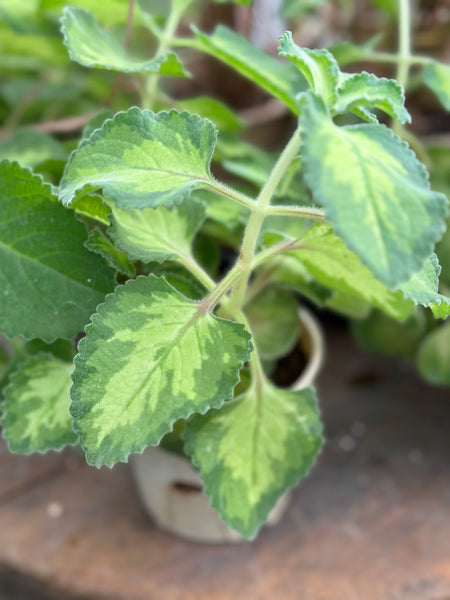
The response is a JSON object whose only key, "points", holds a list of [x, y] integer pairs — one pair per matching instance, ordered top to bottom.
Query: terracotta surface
{"points": [[372, 522]]}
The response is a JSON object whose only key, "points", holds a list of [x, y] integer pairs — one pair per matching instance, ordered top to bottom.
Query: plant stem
{"points": [[129, 30], [404, 42], [164, 44], [404, 51], [387, 57], [231, 194], [308, 212], [256, 219], [273, 251], [198, 271], [221, 289], [256, 369]]}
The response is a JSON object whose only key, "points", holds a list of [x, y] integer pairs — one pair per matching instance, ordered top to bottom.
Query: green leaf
{"points": [[113, 12], [92, 46], [346, 52], [319, 67], [437, 77], [281, 80], [364, 90], [210, 108], [97, 122], [31, 148], [142, 159], [374, 190], [92, 207], [232, 216], [157, 234], [98, 242], [333, 265], [289, 272], [179, 278], [49, 283], [422, 288], [348, 305], [440, 310], [274, 322], [381, 334], [151, 356], [433, 358], [36, 414], [253, 449]]}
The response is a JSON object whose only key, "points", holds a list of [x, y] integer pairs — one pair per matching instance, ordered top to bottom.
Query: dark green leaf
{"points": [[50, 284]]}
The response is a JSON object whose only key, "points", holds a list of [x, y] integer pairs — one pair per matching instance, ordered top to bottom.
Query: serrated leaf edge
{"points": [[107, 124], [76, 398], [214, 496]]}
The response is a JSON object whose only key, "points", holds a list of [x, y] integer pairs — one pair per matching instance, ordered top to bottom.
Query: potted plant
{"points": [[177, 351]]}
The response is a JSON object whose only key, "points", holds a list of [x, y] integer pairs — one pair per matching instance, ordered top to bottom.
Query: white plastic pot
{"points": [[171, 489]]}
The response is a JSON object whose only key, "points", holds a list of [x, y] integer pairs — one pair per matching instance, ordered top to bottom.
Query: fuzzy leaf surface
{"points": [[92, 46], [319, 67], [437, 77], [281, 80], [364, 90], [223, 117], [142, 159], [374, 190], [157, 234], [333, 265], [49, 282], [422, 288], [150, 357], [36, 414], [253, 449]]}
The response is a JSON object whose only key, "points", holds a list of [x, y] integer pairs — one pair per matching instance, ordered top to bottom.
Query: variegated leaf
{"points": [[141, 159], [374, 190], [157, 234], [333, 265], [150, 356], [36, 414], [253, 449]]}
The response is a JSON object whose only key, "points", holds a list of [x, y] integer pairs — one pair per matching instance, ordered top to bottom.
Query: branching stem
{"points": [[252, 231]]}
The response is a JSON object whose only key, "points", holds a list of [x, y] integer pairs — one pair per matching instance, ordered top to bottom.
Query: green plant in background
{"points": [[344, 216]]}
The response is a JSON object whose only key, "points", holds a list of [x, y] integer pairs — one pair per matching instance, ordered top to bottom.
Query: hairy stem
{"points": [[231, 194], [308, 212], [255, 222], [198, 271]]}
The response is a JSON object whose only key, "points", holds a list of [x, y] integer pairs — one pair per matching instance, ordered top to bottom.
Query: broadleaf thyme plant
{"points": [[170, 343]]}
